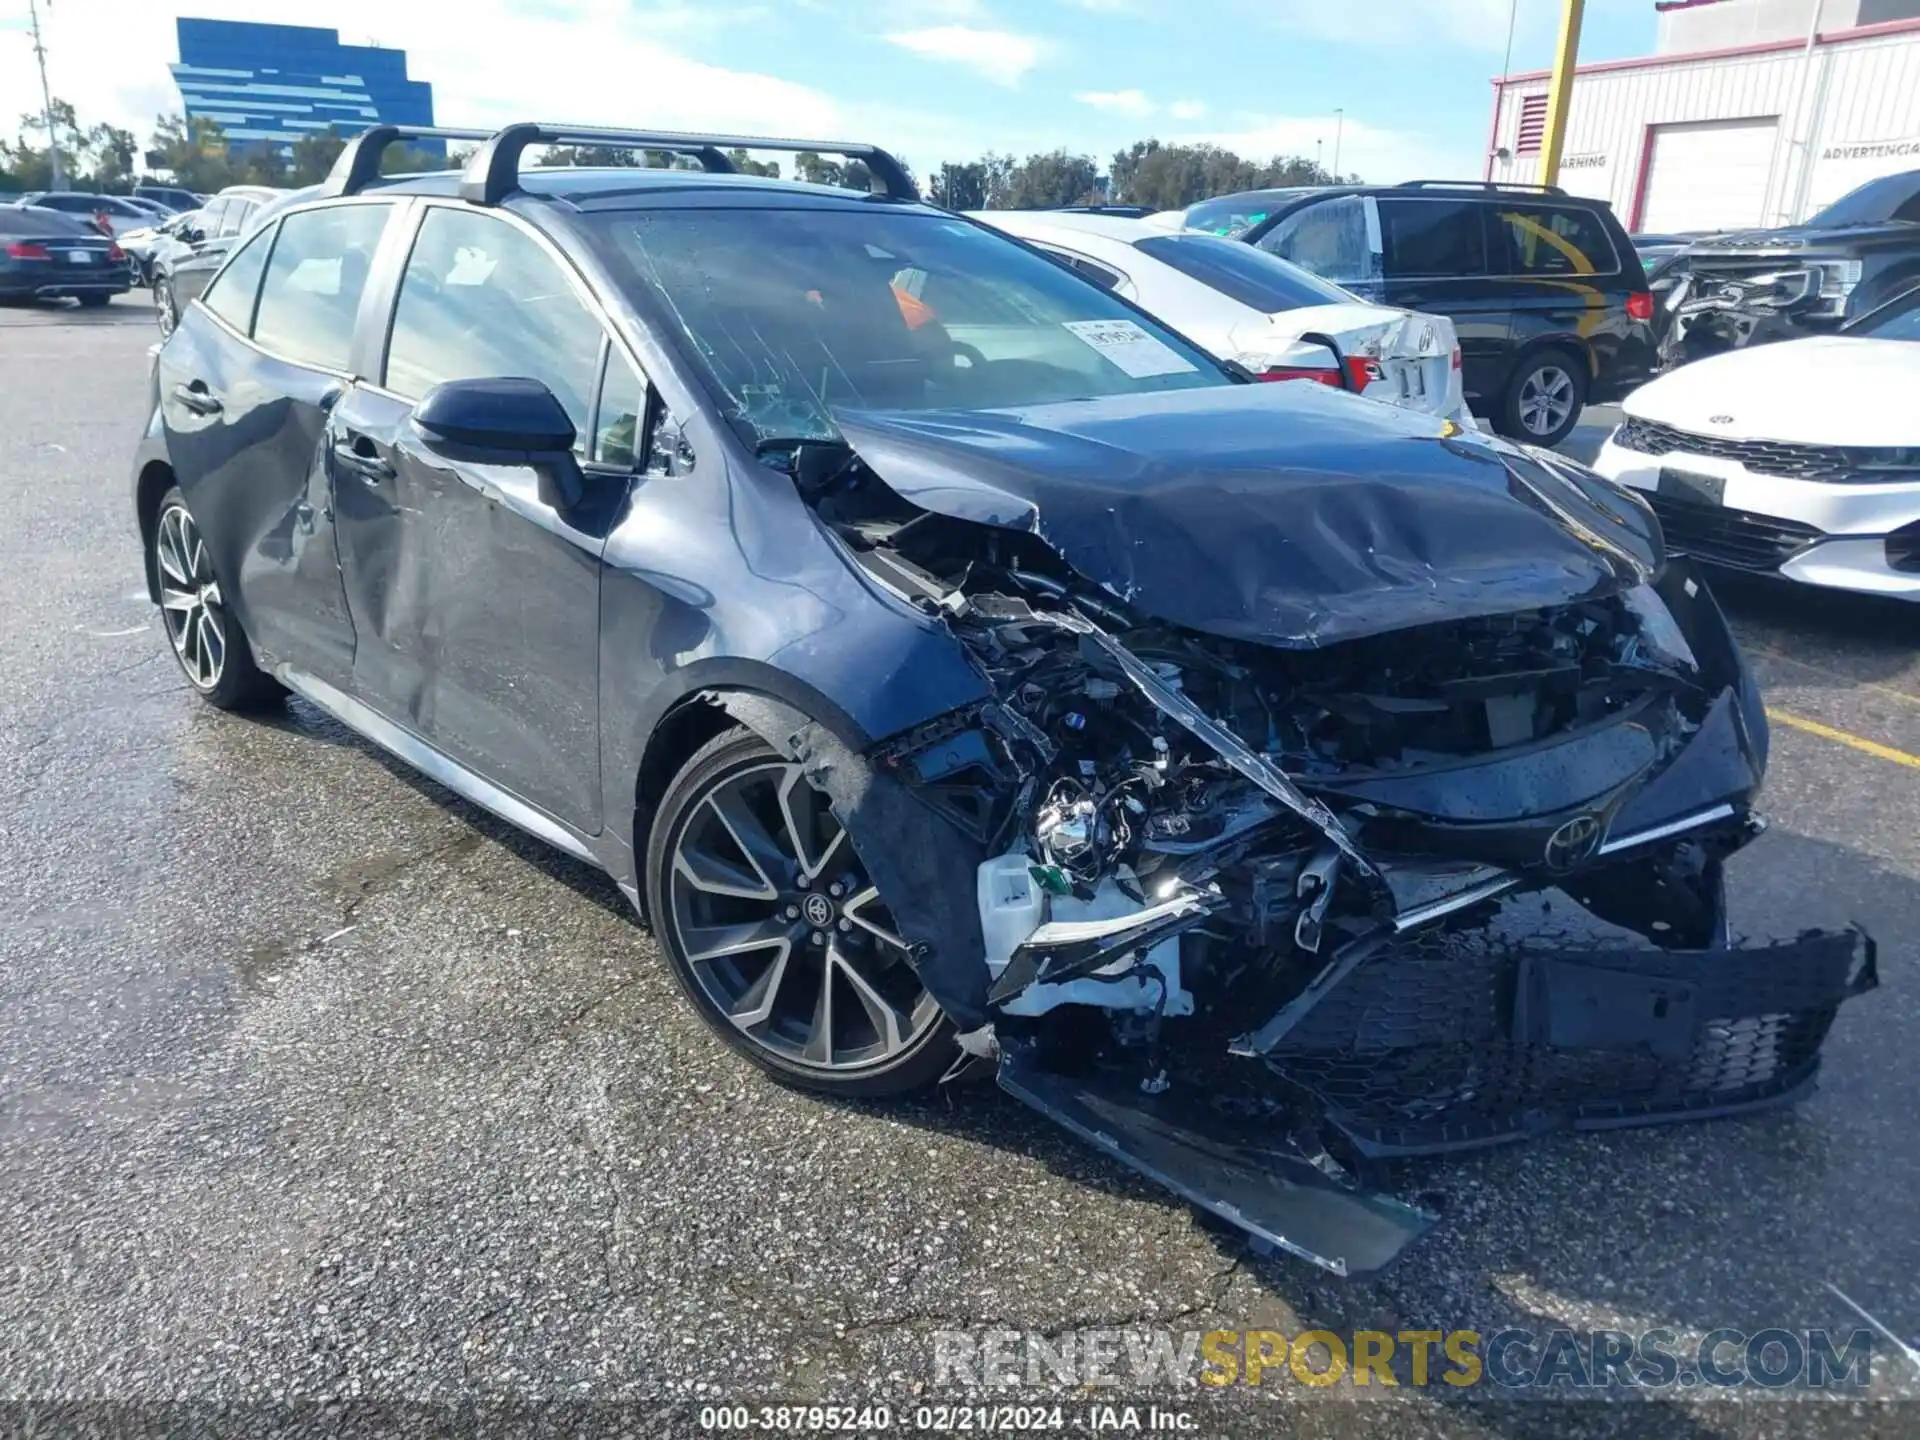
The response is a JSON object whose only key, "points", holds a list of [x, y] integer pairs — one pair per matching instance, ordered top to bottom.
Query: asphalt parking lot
{"points": [[317, 1084]]}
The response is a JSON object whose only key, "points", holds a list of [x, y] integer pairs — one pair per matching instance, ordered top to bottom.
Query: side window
{"points": [[236, 217], [209, 222], [1330, 238], [1432, 238], [1542, 241], [1105, 276], [313, 283], [232, 292], [481, 297], [623, 410]]}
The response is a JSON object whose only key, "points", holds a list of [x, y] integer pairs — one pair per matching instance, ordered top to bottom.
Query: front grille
{"points": [[1827, 464], [1735, 538], [1423, 1048]]}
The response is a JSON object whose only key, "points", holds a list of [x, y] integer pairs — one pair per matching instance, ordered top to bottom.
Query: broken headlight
{"points": [[1835, 279]]}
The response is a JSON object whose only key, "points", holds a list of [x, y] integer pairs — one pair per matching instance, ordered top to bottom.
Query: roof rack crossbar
{"points": [[359, 164], [494, 171], [1494, 185]]}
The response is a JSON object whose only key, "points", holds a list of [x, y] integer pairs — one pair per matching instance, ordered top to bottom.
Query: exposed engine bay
{"points": [[1248, 914]]}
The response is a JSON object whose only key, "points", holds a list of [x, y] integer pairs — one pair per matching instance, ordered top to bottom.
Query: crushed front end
{"points": [[1256, 916]]}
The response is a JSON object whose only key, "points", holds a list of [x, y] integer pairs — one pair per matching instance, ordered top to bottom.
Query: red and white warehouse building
{"points": [[1753, 112]]}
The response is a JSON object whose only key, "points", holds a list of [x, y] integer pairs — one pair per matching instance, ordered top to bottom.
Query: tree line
{"points": [[197, 153], [100, 158], [1148, 172]]}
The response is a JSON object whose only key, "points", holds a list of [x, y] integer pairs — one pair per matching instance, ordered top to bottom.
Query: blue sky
{"points": [[1411, 75], [933, 79]]}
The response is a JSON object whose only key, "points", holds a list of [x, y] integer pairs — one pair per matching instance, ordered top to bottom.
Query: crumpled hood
{"points": [[1744, 244], [1287, 515]]}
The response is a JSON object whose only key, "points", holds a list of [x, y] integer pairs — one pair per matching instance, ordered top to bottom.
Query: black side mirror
{"points": [[193, 235], [504, 421]]}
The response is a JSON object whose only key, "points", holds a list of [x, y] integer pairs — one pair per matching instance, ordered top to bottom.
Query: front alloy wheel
{"points": [[778, 936]]}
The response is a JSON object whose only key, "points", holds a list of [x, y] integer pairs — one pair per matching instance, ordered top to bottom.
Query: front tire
{"points": [[1543, 399], [212, 650], [773, 931]]}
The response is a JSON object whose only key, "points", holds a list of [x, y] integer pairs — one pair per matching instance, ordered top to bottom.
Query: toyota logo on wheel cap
{"points": [[1574, 843], [818, 910]]}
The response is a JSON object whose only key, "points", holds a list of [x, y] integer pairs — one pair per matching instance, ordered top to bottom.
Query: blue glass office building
{"points": [[271, 84]]}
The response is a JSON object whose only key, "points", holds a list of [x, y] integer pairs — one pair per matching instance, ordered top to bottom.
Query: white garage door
{"points": [[1708, 176]]}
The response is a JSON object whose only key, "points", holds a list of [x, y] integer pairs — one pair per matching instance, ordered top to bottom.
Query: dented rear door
{"points": [[244, 411]]}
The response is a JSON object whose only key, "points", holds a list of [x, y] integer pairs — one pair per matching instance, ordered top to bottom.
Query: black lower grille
{"points": [[1736, 538], [1430, 1046]]}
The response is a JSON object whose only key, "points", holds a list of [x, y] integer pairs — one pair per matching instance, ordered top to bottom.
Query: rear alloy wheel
{"points": [[163, 308], [1544, 399], [207, 641], [774, 931]]}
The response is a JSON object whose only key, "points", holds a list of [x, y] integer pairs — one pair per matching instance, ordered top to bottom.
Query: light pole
{"points": [[1566, 55], [1339, 124], [59, 180]]}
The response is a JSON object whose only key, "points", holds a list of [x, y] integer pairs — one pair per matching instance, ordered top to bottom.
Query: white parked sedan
{"points": [[1245, 305], [1800, 458]]}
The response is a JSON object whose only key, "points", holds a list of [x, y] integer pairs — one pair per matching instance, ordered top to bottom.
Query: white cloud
{"points": [[1460, 24], [997, 55], [500, 62], [1119, 102], [1187, 109], [1374, 153]]}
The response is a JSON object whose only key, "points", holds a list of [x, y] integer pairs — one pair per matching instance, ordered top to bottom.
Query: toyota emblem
{"points": [[1719, 419], [1574, 843], [819, 909]]}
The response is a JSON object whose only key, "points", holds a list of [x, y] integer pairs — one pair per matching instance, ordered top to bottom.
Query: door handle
{"points": [[197, 398], [358, 454]]}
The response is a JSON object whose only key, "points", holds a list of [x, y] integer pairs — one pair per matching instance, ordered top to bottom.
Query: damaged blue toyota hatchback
{"points": [[957, 668]]}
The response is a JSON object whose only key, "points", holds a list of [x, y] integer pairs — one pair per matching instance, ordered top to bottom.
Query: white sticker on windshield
{"points": [[1131, 348]]}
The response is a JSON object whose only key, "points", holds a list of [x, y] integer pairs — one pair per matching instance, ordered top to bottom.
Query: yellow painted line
{"points": [[1874, 685], [1855, 742]]}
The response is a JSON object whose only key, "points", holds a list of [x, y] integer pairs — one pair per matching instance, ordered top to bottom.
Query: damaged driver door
{"points": [[472, 557]]}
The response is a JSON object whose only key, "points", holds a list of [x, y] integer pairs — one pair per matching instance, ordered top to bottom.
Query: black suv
{"points": [[1751, 286], [1544, 288], [951, 661]]}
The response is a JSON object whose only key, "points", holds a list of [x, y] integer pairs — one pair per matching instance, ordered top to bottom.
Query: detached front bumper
{"points": [[1848, 536], [1452, 1040]]}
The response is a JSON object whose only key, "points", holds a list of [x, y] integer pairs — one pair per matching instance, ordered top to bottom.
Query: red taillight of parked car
{"points": [[27, 250], [114, 252], [1640, 305], [1456, 357], [1294, 372], [1362, 372]]}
